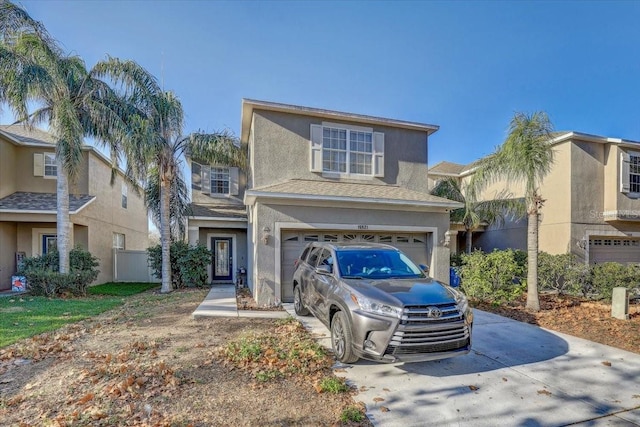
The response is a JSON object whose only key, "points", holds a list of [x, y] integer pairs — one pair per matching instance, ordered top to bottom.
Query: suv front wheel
{"points": [[298, 305], [341, 338]]}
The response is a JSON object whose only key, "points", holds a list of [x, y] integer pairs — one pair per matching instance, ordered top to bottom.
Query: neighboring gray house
{"points": [[317, 175]]}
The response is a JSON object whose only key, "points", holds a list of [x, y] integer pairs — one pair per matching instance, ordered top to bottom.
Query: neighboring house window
{"points": [[338, 150], [50, 167], [630, 173], [634, 173], [215, 180], [219, 180], [124, 195], [118, 241], [49, 242]]}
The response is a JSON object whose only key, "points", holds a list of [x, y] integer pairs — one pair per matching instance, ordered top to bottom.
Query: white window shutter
{"points": [[315, 150], [378, 154], [38, 164], [624, 172], [196, 176], [206, 179], [233, 181]]}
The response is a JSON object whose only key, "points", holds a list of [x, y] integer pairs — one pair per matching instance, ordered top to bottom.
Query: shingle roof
{"points": [[28, 136], [447, 168], [331, 190], [41, 202], [211, 211]]}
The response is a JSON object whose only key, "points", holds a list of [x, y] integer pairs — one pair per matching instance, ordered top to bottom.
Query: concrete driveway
{"points": [[516, 375]]}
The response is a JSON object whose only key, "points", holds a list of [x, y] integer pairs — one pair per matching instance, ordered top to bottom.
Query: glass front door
{"points": [[222, 262]]}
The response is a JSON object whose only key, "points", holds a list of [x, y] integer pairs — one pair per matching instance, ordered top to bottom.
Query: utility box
{"points": [[620, 303]]}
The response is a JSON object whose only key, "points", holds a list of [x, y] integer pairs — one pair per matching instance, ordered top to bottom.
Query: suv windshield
{"points": [[376, 264]]}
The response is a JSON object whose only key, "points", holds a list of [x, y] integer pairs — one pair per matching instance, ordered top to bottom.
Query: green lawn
{"points": [[24, 316]]}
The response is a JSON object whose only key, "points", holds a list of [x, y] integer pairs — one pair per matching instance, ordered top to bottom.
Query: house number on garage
{"points": [[363, 227]]}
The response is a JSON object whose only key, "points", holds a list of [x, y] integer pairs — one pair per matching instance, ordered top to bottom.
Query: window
{"points": [[348, 150], [354, 157], [50, 167], [634, 173], [219, 180], [124, 195], [118, 241]]}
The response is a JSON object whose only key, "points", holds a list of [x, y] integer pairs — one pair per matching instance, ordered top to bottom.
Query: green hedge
{"points": [[188, 264], [500, 276], [43, 277]]}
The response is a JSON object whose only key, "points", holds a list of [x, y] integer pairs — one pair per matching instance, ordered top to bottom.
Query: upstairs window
{"points": [[351, 151], [50, 167], [630, 173], [215, 180], [219, 180], [124, 196]]}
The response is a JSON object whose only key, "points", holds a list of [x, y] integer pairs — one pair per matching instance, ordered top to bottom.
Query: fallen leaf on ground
{"points": [[606, 363], [473, 388], [547, 392], [378, 399], [384, 409]]}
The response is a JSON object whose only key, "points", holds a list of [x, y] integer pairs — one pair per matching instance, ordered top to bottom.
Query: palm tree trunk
{"points": [[62, 216], [165, 234], [469, 241], [533, 301]]}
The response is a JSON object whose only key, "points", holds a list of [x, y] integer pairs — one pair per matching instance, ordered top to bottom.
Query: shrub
{"points": [[188, 264], [564, 274], [608, 275], [495, 276], [43, 277]]}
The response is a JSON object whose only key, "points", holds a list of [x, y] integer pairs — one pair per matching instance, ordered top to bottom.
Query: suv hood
{"points": [[400, 292]]}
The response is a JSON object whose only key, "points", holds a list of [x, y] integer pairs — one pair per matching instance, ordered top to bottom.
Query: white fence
{"points": [[132, 266]]}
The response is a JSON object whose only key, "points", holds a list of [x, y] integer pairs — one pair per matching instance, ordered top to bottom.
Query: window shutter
{"points": [[378, 154], [315, 156], [38, 164], [624, 172], [196, 176], [206, 179], [233, 181]]}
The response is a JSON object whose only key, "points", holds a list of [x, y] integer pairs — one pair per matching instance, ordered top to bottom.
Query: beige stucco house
{"points": [[317, 175], [592, 200], [102, 216]]}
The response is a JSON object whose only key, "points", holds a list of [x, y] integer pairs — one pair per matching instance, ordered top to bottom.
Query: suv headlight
{"points": [[461, 300], [374, 307]]}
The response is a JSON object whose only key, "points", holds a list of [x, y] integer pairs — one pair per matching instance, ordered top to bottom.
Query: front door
{"points": [[222, 262]]}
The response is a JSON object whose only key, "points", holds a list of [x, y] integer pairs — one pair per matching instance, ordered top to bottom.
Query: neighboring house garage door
{"points": [[416, 246], [613, 249]]}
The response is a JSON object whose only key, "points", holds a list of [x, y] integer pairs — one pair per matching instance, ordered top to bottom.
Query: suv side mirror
{"points": [[424, 268], [324, 269]]}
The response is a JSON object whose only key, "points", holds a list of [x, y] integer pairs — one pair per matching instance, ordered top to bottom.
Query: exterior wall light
{"points": [[265, 235]]}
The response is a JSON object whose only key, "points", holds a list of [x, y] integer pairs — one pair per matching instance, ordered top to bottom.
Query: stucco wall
{"points": [[281, 151], [7, 168], [269, 215], [8, 243]]}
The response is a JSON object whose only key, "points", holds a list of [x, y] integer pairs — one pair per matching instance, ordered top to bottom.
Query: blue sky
{"points": [[465, 66]]}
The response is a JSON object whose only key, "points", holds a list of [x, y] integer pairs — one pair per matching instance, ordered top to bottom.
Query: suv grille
{"points": [[424, 314], [421, 331]]}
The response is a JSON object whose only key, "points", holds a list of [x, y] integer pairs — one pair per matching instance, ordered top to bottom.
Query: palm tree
{"points": [[68, 98], [157, 140], [526, 156], [476, 213]]}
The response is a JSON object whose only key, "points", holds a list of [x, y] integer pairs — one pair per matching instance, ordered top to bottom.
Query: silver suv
{"points": [[379, 305]]}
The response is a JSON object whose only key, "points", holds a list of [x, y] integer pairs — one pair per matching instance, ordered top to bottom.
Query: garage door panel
{"points": [[614, 249]]}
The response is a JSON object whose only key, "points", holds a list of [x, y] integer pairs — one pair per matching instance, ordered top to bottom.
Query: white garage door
{"points": [[416, 246], [613, 249]]}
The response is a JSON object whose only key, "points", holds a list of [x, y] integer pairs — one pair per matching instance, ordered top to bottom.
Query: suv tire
{"points": [[298, 305], [341, 338]]}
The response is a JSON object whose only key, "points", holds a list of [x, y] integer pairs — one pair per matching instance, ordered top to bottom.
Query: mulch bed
{"points": [[246, 302]]}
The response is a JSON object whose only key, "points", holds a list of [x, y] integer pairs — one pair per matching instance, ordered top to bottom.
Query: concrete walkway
{"points": [[221, 302], [516, 375]]}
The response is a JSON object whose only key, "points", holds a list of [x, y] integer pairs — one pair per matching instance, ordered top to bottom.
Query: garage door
{"points": [[416, 246], [613, 249]]}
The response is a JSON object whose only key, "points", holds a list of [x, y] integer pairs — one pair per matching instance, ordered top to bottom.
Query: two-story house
{"points": [[317, 175], [592, 200], [102, 216]]}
